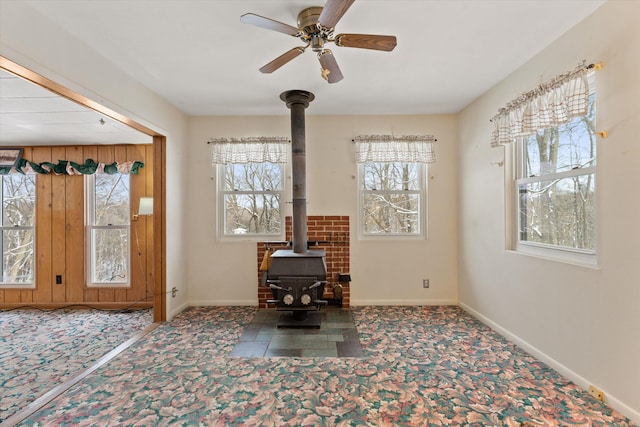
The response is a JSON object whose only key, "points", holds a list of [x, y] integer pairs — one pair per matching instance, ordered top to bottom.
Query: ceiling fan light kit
{"points": [[315, 28]]}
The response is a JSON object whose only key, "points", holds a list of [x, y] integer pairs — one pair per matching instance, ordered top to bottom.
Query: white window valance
{"points": [[551, 104], [391, 148], [249, 150]]}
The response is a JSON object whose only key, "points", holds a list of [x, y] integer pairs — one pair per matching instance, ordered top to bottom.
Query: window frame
{"points": [[422, 170], [221, 206], [90, 227], [578, 256], [18, 285]]}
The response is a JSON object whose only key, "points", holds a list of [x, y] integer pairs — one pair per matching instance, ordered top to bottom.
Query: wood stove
{"points": [[297, 277]]}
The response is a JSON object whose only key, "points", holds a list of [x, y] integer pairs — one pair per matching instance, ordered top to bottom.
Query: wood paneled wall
{"points": [[60, 233]]}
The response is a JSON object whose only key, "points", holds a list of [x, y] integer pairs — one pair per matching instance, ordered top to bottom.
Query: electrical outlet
{"points": [[425, 283], [174, 291], [596, 392]]}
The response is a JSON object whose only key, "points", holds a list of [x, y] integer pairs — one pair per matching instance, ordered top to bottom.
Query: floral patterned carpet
{"points": [[41, 349], [423, 366]]}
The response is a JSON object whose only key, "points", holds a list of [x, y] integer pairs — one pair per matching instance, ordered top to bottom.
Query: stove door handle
{"points": [[273, 284], [315, 285], [279, 288]]}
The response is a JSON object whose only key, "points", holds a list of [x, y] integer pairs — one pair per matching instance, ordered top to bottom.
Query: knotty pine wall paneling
{"points": [[58, 223], [148, 225], [139, 229], [44, 232], [60, 232], [75, 242]]}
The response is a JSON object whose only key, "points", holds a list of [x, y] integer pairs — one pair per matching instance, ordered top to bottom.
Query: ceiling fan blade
{"points": [[333, 11], [269, 24], [367, 41], [281, 60], [330, 70]]}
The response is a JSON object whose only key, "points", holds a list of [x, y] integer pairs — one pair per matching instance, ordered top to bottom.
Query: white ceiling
{"points": [[198, 56], [32, 115]]}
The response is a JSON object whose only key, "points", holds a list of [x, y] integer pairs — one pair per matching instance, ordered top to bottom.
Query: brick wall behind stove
{"points": [[332, 229]]}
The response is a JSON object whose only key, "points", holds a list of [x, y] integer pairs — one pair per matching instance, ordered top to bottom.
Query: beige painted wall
{"points": [[383, 272], [583, 321]]}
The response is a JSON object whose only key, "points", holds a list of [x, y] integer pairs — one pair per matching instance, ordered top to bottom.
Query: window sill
{"points": [[382, 237], [250, 238], [578, 259], [16, 286], [109, 286]]}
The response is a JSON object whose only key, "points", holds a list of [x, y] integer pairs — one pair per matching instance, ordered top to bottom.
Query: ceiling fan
{"points": [[315, 28]]}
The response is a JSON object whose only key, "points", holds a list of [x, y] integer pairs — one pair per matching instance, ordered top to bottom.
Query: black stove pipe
{"points": [[297, 101]]}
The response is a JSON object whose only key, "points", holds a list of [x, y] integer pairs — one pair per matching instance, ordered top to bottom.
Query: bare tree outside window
{"points": [[556, 187], [252, 194], [391, 198], [109, 210], [18, 228]]}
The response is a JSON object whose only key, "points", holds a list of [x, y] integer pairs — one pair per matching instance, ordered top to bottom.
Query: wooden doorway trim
{"points": [[159, 179], [159, 230]]}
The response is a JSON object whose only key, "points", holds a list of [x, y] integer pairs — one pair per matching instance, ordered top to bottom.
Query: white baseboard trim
{"points": [[224, 302], [365, 302], [254, 303], [173, 313], [554, 364]]}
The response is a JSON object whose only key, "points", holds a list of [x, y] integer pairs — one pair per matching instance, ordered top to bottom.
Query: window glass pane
{"points": [[568, 146], [390, 176], [253, 177], [251, 197], [111, 199], [18, 200], [559, 212], [252, 213], [392, 213], [17, 235], [17, 251], [111, 255]]}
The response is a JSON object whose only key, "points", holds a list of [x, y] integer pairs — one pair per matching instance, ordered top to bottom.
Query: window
{"points": [[392, 183], [250, 185], [555, 185], [251, 197], [392, 198], [18, 229], [108, 229]]}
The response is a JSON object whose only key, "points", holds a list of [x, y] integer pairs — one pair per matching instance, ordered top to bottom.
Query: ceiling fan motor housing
{"points": [[308, 20]]}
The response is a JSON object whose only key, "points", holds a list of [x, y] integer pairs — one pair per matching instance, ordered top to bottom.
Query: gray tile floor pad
{"points": [[336, 337]]}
